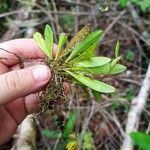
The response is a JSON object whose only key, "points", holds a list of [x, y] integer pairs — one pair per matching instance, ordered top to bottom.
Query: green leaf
{"points": [[123, 3], [143, 4], [48, 34], [62, 39], [40, 42], [85, 44], [117, 48], [85, 55], [115, 61], [93, 62], [118, 68], [106, 69], [93, 84], [70, 123], [51, 134], [141, 139]]}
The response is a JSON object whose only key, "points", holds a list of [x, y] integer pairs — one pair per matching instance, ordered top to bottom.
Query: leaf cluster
{"points": [[76, 60]]}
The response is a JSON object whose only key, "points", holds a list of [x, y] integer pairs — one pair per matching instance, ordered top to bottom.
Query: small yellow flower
{"points": [[72, 145]]}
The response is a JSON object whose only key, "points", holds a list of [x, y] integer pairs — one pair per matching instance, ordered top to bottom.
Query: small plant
{"points": [[129, 55], [74, 62], [67, 137], [87, 141]]}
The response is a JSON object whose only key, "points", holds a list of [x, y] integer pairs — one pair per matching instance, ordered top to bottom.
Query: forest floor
{"points": [[105, 119]]}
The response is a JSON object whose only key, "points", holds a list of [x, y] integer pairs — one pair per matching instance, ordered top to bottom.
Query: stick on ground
{"points": [[137, 107]]}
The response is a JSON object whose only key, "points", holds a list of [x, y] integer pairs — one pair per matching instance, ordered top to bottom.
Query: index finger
{"points": [[23, 48]]}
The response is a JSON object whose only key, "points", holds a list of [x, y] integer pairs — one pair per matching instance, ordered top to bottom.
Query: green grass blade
{"points": [[48, 34], [62, 39], [40, 42], [85, 44], [93, 62], [93, 84]]}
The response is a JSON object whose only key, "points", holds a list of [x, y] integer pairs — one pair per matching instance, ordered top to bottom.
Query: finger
{"points": [[25, 48], [3, 68], [19, 83], [32, 103], [22, 106], [7, 126]]}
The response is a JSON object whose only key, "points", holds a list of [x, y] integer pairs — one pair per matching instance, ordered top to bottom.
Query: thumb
{"points": [[19, 83]]}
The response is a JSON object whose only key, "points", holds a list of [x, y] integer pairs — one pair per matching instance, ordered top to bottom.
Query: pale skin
{"points": [[17, 85]]}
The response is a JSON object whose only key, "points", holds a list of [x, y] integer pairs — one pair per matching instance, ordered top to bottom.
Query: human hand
{"points": [[16, 85]]}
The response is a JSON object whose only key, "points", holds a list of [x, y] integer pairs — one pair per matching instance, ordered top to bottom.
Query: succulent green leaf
{"points": [[48, 34], [62, 39], [40, 42], [85, 44], [117, 48], [85, 55], [93, 62], [118, 68], [106, 69], [93, 84], [70, 123], [51, 134], [141, 139]]}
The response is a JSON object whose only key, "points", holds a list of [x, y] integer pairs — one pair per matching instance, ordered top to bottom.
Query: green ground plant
{"points": [[144, 5], [129, 55], [68, 138], [140, 139], [87, 141]]}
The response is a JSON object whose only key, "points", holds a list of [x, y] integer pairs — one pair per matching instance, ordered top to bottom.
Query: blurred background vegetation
{"points": [[125, 20]]}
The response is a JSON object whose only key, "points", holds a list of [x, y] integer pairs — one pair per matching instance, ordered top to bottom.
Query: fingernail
{"points": [[41, 73]]}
